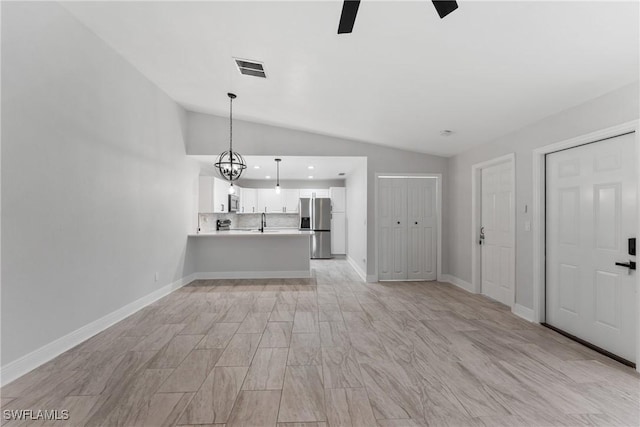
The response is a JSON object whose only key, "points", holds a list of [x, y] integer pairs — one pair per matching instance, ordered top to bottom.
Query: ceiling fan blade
{"points": [[444, 7], [348, 17]]}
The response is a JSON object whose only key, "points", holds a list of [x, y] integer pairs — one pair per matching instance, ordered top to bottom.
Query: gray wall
{"points": [[611, 109], [208, 135], [356, 189], [97, 193]]}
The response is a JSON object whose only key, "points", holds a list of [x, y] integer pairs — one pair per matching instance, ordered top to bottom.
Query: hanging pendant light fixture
{"points": [[230, 164], [278, 175]]}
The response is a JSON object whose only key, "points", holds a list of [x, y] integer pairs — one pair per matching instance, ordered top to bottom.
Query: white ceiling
{"points": [[400, 78], [291, 167]]}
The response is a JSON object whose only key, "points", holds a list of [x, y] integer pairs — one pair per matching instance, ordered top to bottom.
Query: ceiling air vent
{"points": [[250, 68]]}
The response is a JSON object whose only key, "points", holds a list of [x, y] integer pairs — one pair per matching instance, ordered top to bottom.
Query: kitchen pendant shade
{"points": [[230, 164], [278, 175]]}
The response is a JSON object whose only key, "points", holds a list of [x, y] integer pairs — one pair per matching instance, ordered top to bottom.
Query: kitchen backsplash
{"points": [[208, 221]]}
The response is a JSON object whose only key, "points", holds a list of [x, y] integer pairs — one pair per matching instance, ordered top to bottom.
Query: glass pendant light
{"points": [[230, 164], [278, 175]]}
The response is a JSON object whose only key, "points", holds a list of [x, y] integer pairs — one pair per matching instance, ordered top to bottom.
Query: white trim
{"points": [[438, 177], [476, 215], [538, 225], [357, 268], [301, 274], [456, 281], [524, 312], [13, 370]]}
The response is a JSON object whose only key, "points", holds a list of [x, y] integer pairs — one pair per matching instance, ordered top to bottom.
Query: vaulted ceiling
{"points": [[399, 79]]}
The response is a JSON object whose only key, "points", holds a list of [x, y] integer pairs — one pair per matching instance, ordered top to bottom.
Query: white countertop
{"points": [[249, 233]]}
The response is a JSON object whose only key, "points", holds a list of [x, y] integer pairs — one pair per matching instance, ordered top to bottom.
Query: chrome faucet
{"points": [[263, 222]]}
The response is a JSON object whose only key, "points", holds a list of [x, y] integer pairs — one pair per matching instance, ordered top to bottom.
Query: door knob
{"points": [[398, 222], [416, 222], [631, 265]]}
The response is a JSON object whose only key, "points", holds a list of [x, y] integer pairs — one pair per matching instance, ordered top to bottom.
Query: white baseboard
{"points": [[357, 268], [302, 274], [372, 278], [458, 282], [525, 312], [13, 370]]}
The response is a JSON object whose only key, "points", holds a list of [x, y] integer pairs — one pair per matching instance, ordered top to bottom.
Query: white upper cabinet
{"points": [[314, 192], [213, 195], [220, 196], [214, 198], [338, 199], [290, 200], [249, 201], [270, 201]]}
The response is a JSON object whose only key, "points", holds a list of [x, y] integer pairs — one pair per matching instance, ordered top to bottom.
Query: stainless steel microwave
{"points": [[234, 203]]}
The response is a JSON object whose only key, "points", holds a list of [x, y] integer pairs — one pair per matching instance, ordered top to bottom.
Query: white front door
{"points": [[590, 215], [422, 224], [497, 250]]}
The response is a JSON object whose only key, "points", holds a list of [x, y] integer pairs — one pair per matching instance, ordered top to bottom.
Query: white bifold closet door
{"points": [[590, 214], [407, 229]]}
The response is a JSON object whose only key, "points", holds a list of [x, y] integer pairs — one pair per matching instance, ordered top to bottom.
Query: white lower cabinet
{"points": [[338, 233]]}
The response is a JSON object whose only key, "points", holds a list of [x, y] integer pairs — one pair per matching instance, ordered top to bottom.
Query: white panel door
{"points": [[590, 215], [392, 228], [422, 229], [338, 233], [497, 251]]}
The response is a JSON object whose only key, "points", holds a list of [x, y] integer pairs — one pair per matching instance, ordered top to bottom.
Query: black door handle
{"points": [[398, 222], [416, 222], [631, 265]]}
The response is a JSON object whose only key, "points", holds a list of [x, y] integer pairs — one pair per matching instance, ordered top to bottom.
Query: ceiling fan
{"points": [[350, 9]]}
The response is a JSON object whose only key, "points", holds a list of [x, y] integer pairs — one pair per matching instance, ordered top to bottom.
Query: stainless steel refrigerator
{"points": [[315, 215]]}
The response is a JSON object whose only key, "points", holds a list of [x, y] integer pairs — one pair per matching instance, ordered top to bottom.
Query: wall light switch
{"points": [[527, 226]]}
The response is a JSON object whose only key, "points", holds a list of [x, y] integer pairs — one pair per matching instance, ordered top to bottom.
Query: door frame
{"points": [[438, 177], [476, 218], [539, 218]]}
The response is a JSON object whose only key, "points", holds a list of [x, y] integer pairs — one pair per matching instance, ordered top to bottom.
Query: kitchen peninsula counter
{"points": [[250, 254]]}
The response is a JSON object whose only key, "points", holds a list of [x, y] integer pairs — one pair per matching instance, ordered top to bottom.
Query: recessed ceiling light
{"points": [[446, 132], [256, 167], [310, 167], [268, 176], [310, 176]]}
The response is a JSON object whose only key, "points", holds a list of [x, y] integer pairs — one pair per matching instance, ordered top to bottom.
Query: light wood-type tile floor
{"points": [[328, 351]]}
